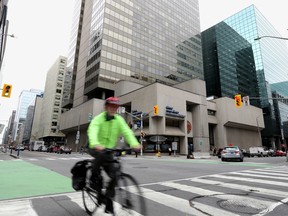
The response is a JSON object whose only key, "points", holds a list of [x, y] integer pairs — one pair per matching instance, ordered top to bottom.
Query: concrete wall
{"points": [[79, 96], [145, 98], [237, 125]]}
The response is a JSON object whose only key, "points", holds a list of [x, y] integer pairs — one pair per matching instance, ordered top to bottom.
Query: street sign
{"points": [[157, 138], [174, 146]]}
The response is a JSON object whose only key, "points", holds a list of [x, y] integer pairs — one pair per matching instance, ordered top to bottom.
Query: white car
{"points": [[20, 147], [258, 151]]}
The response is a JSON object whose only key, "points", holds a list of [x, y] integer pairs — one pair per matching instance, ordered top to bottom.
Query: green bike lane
{"points": [[19, 179]]}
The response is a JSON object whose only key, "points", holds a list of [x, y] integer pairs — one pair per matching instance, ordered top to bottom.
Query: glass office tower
{"points": [[137, 40], [235, 63]]}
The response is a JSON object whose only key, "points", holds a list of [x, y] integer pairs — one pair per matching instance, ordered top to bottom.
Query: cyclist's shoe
{"points": [[109, 206]]}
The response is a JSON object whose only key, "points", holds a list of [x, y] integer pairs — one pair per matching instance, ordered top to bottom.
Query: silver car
{"points": [[231, 152]]}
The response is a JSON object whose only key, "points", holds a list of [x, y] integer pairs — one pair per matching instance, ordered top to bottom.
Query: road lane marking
{"points": [[64, 158], [33, 159], [50, 159], [265, 173], [261, 176], [284, 184], [242, 187], [220, 195], [77, 198], [179, 204], [272, 207], [16, 208]]}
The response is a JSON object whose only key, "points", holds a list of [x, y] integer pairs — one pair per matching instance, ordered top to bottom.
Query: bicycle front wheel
{"points": [[129, 199], [90, 200]]}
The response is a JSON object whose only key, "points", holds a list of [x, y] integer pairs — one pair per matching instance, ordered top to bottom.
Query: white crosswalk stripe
{"points": [[265, 173], [198, 187], [20, 207]]}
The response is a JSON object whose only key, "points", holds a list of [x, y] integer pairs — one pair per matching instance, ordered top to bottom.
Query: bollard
{"points": [[18, 152]]}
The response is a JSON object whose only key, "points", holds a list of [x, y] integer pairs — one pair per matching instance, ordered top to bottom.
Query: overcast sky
{"points": [[42, 28]]}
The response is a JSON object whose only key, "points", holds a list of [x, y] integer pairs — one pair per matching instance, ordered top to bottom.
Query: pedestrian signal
{"points": [[6, 91], [238, 100], [156, 110]]}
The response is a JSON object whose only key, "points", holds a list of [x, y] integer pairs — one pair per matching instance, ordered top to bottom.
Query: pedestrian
{"points": [[82, 150], [170, 150], [214, 151], [136, 153]]}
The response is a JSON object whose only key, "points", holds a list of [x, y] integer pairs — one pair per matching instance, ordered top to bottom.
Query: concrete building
{"points": [[4, 24], [133, 40], [146, 53], [234, 63], [25, 99], [52, 100], [185, 116], [28, 125], [35, 133]]}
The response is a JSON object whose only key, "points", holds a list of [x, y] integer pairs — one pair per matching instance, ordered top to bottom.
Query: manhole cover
{"points": [[140, 167], [242, 206]]}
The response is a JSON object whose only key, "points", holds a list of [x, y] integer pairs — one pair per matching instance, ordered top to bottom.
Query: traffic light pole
{"points": [[141, 130]]}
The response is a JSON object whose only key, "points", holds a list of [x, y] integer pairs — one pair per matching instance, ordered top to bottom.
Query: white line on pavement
{"points": [[265, 173], [261, 176], [284, 184], [241, 187], [180, 204], [16, 208]]}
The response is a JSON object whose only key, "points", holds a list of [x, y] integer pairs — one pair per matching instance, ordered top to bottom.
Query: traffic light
{"points": [[6, 91], [238, 100], [156, 110]]}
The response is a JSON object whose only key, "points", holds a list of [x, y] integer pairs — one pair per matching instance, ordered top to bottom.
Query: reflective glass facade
{"points": [[143, 41], [269, 55], [234, 62]]}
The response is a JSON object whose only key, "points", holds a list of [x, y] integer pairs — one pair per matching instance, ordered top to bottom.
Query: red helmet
{"points": [[112, 101]]}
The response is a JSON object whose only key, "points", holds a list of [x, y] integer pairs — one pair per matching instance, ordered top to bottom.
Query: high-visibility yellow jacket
{"points": [[106, 132]]}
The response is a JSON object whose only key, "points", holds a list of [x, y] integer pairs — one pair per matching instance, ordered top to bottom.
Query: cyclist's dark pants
{"points": [[103, 160]]}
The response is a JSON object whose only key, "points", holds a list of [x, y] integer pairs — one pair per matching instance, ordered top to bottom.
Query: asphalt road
{"points": [[172, 186]]}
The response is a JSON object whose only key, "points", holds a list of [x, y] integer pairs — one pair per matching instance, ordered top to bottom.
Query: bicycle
{"points": [[128, 198]]}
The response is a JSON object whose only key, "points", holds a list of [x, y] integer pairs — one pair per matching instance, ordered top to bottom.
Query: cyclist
{"points": [[103, 132]]}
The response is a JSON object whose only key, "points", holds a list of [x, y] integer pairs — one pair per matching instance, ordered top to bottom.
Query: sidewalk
{"points": [[8, 153], [173, 157]]}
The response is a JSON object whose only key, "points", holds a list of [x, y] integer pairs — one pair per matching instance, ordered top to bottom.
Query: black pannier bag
{"points": [[79, 171]]}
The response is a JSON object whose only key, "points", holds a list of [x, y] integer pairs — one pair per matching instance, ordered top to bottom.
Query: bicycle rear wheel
{"points": [[129, 199], [90, 200]]}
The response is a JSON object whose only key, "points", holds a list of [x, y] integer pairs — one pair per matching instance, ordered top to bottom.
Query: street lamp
{"points": [[281, 38], [260, 138]]}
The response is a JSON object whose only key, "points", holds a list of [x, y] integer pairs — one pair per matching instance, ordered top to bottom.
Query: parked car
{"points": [[20, 147], [53, 148], [42, 149], [64, 149], [258, 151], [232, 152], [271, 152], [246, 153], [280, 153]]}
